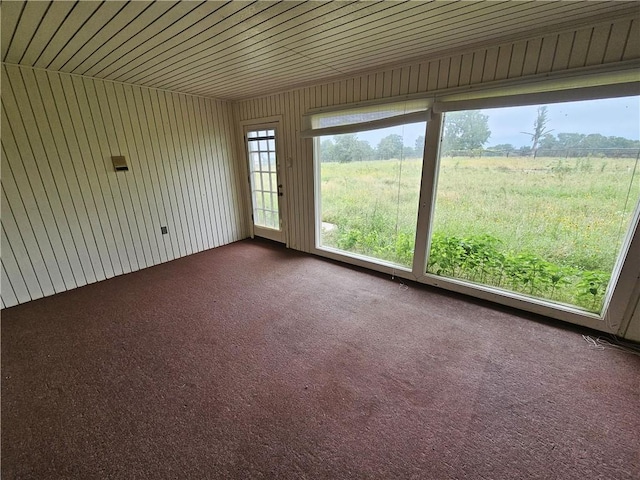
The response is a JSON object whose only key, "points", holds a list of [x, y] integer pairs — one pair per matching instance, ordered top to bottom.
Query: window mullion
{"points": [[427, 194]]}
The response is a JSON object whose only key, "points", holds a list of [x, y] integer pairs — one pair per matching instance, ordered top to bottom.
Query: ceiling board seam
{"points": [[24, 5], [115, 34], [532, 34], [72, 36], [112, 36], [51, 37], [152, 37], [408, 39], [26, 48], [133, 60], [203, 68], [282, 71], [124, 74], [155, 74], [204, 78]]}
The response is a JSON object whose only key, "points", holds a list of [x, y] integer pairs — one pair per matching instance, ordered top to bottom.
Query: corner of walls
{"points": [[69, 219]]}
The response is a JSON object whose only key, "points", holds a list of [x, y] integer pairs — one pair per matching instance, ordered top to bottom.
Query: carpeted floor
{"points": [[252, 361]]}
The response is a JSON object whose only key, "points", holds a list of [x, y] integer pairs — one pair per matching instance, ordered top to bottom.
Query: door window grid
{"points": [[262, 154]]}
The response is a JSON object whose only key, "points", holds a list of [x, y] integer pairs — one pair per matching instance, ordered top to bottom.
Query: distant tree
{"points": [[539, 128], [465, 131], [568, 140], [548, 142], [579, 144], [390, 146], [503, 147], [346, 148], [419, 150], [327, 151], [364, 151], [524, 151], [408, 152]]}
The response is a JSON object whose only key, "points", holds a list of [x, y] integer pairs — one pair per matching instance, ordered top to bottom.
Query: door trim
{"points": [[272, 123]]}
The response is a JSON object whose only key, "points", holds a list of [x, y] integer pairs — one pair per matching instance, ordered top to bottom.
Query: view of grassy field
{"points": [[548, 227]]}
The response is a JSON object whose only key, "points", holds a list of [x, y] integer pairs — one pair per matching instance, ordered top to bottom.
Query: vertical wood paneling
{"points": [[618, 41], [598, 44], [580, 48], [632, 48], [563, 51], [547, 53], [542, 54], [532, 56], [504, 59], [517, 59], [490, 64], [477, 67], [465, 69], [454, 71], [443, 73], [434, 74], [423, 77], [413, 79], [114, 104], [105, 136], [80, 143], [15, 177], [48, 188], [68, 219], [30, 248], [29, 263], [15, 277], [9, 297]]}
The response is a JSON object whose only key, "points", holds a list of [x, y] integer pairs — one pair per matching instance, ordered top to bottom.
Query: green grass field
{"points": [[547, 227]]}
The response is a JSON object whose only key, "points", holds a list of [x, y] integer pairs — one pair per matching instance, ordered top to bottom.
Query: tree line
{"points": [[466, 133], [349, 148]]}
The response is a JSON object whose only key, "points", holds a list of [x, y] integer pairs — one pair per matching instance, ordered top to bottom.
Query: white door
{"points": [[265, 179]]}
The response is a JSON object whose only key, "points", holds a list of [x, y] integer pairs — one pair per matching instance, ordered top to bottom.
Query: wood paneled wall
{"points": [[605, 43], [68, 219]]}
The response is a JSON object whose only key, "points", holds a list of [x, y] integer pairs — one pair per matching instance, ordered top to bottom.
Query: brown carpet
{"points": [[252, 361]]}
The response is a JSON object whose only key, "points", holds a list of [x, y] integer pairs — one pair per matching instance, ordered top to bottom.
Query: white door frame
{"points": [[267, 123]]}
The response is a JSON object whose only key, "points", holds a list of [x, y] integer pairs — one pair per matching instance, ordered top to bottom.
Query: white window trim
{"points": [[625, 274]]}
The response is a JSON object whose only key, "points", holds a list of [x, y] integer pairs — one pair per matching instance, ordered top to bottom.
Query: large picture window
{"points": [[369, 189], [537, 199], [530, 204]]}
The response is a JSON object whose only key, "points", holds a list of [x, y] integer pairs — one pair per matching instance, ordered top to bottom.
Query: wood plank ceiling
{"points": [[233, 50]]}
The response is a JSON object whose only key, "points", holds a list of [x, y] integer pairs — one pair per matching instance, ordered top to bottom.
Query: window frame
{"points": [[623, 282]]}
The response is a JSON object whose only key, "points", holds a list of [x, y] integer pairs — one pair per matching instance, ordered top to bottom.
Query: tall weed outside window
{"points": [[369, 191], [537, 199]]}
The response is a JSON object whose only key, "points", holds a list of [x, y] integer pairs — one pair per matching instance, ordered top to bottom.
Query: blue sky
{"points": [[611, 117], [618, 117]]}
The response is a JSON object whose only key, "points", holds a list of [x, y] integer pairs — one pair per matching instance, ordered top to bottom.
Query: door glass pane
{"points": [[264, 181], [369, 190], [537, 199]]}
